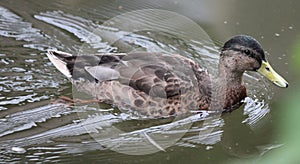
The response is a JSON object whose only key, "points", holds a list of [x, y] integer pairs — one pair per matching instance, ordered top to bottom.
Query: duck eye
{"points": [[247, 52], [267, 68]]}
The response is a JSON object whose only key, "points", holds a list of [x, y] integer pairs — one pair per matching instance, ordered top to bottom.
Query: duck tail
{"points": [[57, 58]]}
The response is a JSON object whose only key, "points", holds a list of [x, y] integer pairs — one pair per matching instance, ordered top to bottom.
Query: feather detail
{"points": [[56, 57]]}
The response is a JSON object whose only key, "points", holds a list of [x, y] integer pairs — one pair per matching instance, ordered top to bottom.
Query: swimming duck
{"points": [[160, 85]]}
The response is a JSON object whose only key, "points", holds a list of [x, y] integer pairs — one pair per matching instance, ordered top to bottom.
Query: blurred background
{"points": [[28, 81]]}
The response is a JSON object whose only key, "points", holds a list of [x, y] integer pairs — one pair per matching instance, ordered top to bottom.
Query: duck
{"points": [[161, 84]]}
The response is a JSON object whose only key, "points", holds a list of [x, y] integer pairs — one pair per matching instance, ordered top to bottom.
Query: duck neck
{"points": [[228, 73], [229, 89]]}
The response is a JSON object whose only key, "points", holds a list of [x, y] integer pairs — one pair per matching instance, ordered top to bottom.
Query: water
{"points": [[34, 130]]}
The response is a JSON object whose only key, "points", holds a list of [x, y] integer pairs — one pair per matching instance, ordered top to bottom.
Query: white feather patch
{"points": [[58, 63], [102, 73]]}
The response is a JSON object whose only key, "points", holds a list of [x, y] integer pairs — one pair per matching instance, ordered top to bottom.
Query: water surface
{"points": [[34, 130]]}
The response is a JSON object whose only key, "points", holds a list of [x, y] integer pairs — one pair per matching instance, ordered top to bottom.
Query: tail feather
{"points": [[56, 57]]}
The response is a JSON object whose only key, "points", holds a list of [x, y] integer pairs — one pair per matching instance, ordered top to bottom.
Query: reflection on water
{"points": [[43, 132]]}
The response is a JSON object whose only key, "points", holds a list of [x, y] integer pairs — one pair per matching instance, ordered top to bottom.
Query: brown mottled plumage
{"points": [[158, 85]]}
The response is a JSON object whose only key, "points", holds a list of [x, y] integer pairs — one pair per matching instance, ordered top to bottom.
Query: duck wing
{"points": [[96, 68], [156, 74]]}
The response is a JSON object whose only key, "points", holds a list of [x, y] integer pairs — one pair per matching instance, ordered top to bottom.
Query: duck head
{"points": [[244, 53]]}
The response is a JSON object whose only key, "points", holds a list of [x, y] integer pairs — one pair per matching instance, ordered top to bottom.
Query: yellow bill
{"points": [[267, 71]]}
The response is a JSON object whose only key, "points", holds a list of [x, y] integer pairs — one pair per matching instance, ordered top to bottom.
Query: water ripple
{"points": [[13, 26], [80, 27]]}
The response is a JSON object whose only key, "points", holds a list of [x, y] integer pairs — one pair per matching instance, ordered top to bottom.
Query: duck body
{"points": [[152, 84], [157, 84]]}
